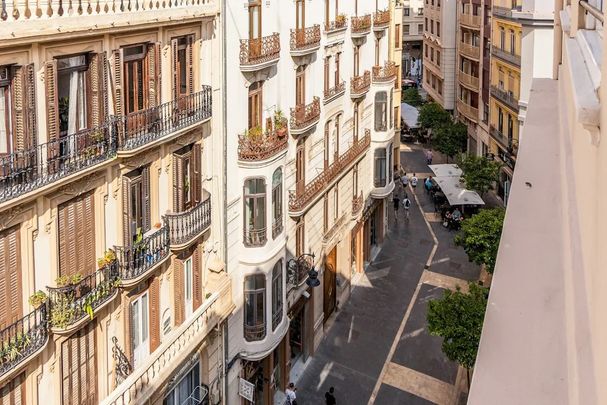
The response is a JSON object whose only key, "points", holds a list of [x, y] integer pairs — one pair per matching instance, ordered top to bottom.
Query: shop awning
{"points": [[409, 114], [446, 170], [456, 193]]}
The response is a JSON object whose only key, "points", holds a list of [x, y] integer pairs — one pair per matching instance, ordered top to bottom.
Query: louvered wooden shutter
{"points": [[153, 64], [190, 64], [175, 68], [118, 83], [98, 86], [18, 98], [52, 107], [31, 132], [196, 172], [178, 204], [146, 210], [127, 232], [77, 236], [67, 240], [88, 265], [10, 277], [197, 278], [178, 291], [154, 313], [79, 368], [13, 393]]}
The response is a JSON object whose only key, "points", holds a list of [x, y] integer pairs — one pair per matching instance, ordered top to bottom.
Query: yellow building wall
{"points": [[507, 26], [510, 76]]}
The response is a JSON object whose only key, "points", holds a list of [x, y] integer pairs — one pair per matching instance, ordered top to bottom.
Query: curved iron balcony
{"points": [[381, 20], [339, 24], [361, 26], [305, 40], [259, 53], [386, 73], [359, 85], [335, 91], [505, 97], [305, 116], [141, 128], [254, 147], [29, 169], [185, 227], [254, 237], [139, 259], [73, 305], [23, 340]]}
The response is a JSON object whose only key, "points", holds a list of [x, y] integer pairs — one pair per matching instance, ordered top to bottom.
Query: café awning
{"points": [[409, 114], [446, 170], [456, 193]]}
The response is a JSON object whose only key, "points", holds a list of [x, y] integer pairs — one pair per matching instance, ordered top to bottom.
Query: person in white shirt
{"points": [[405, 180], [414, 181], [407, 205], [290, 393]]}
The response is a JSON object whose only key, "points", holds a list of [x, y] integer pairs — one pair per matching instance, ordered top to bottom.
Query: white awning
{"points": [[409, 114], [446, 170], [456, 193]]}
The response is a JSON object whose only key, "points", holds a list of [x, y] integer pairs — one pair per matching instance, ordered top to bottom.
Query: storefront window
{"points": [[380, 168], [277, 294], [254, 307]]}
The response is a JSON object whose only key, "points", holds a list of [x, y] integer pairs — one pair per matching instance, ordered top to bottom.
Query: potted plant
{"points": [[340, 20], [280, 124], [255, 133], [157, 225], [109, 256], [62, 281], [37, 299]]}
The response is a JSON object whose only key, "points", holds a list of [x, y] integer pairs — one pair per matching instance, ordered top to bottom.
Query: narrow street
{"points": [[378, 350]]}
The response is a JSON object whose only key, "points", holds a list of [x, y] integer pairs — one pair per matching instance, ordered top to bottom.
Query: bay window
{"points": [[381, 110], [380, 167], [255, 212], [277, 294], [254, 307]]}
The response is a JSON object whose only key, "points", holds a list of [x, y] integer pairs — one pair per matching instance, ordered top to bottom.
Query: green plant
{"points": [[341, 18], [412, 97], [432, 116], [255, 132], [450, 138], [479, 172], [480, 236], [109, 256], [76, 278], [62, 281], [207, 295], [37, 299], [62, 311]]}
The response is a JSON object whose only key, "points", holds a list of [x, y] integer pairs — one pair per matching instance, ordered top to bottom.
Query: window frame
{"points": [[380, 110], [379, 167], [257, 198], [277, 296], [256, 330]]}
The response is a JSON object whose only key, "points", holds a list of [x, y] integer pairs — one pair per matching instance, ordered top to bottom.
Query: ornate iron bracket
{"points": [[122, 366]]}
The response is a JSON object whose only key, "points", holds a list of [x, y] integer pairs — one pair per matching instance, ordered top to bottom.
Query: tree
{"points": [[411, 96], [432, 116], [450, 138], [479, 172], [480, 236], [458, 317]]}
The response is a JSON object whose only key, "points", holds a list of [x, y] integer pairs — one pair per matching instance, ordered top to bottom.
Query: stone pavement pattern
{"points": [[378, 349]]}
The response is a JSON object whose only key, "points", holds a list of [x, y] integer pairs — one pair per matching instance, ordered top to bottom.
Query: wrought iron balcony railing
{"points": [[381, 19], [339, 24], [361, 24], [305, 38], [259, 51], [506, 56], [385, 73], [359, 85], [334, 91], [506, 97], [305, 115], [143, 127], [253, 147], [27, 170], [306, 192], [357, 204], [185, 226], [277, 227], [254, 236], [140, 257], [74, 303], [276, 318], [23, 339]]}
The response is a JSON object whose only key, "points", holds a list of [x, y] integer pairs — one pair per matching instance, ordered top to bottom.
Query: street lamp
{"points": [[297, 266]]}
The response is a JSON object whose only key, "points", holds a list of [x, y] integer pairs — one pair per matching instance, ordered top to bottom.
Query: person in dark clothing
{"points": [[396, 202], [329, 397]]}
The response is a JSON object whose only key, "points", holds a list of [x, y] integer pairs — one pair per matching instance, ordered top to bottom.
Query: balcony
{"points": [[500, 11], [381, 20], [470, 21], [340, 24], [361, 26], [305, 40], [469, 50], [259, 53], [509, 57], [384, 74], [469, 81], [359, 85], [335, 91], [505, 97], [467, 111], [305, 116], [147, 127], [499, 137], [254, 147], [31, 169], [305, 194], [357, 204], [187, 226], [277, 227], [254, 237], [138, 260], [298, 271], [77, 301], [23, 340], [177, 346]]}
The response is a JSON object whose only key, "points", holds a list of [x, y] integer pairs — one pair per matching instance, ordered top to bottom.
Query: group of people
{"points": [[405, 180], [291, 390]]}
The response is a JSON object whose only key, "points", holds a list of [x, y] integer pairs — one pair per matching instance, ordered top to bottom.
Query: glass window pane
{"points": [[5, 126], [144, 316]]}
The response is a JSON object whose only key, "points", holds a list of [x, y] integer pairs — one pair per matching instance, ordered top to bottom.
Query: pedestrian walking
{"points": [[429, 156], [405, 180], [414, 181], [428, 184], [396, 202], [407, 205], [290, 393], [329, 397]]}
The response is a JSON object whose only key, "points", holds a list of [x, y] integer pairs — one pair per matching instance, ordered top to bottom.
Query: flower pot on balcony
{"points": [[281, 132]]}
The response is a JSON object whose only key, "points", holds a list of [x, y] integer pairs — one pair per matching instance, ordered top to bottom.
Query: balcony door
{"points": [[300, 14], [255, 47], [356, 60], [183, 69], [300, 86], [72, 89], [136, 89], [17, 101], [255, 105], [300, 168], [187, 178], [136, 204], [76, 236], [188, 285], [140, 329], [79, 367]]}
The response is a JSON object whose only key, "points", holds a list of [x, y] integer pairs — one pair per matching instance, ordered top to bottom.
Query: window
{"points": [[406, 11], [420, 11], [300, 14], [255, 20], [426, 22], [432, 26], [420, 28], [438, 28], [406, 29], [397, 36], [502, 39], [512, 43], [426, 50], [377, 52], [438, 57], [356, 59], [183, 66], [327, 73], [135, 78], [337, 80], [72, 83], [300, 86], [381, 101], [255, 105], [391, 110], [486, 113], [500, 120], [6, 121], [355, 121], [510, 127], [327, 145], [390, 165], [300, 166], [380, 168], [187, 178], [355, 180], [136, 203], [277, 203], [335, 203], [325, 211], [255, 212], [77, 236], [300, 238], [188, 286], [277, 294], [254, 307], [140, 337], [79, 367], [185, 391], [13, 392]]}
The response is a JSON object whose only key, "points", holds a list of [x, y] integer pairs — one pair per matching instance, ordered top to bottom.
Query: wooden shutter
{"points": [[190, 63], [153, 65], [175, 67], [118, 83], [98, 86], [18, 101], [30, 107], [52, 107], [197, 173], [145, 204], [178, 204], [77, 236], [127, 236], [89, 263], [10, 277], [197, 278], [178, 288], [154, 290], [79, 368], [13, 393]]}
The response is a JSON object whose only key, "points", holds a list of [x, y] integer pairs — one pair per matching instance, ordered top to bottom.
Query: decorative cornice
{"points": [[7, 218]]}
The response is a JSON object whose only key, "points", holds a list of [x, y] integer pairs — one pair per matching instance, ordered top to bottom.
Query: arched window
{"points": [[381, 107], [380, 167], [277, 203], [255, 212], [277, 294], [254, 307]]}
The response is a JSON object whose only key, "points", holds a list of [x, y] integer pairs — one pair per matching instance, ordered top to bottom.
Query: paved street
{"points": [[378, 349]]}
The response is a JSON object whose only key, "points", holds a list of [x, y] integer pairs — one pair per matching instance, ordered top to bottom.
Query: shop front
{"points": [[373, 230], [300, 336], [266, 377]]}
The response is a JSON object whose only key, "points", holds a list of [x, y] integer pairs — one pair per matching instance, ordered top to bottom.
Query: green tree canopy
{"points": [[411, 96], [433, 115], [450, 138], [479, 172], [480, 236], [458, 317]]}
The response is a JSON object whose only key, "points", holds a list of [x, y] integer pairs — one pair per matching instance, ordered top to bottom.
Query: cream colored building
{"points": [[413, 36], [395, 50], [111, 196], [544, 339]]}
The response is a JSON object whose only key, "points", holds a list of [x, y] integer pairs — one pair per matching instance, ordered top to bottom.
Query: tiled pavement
{"points": [[378, 349]]}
